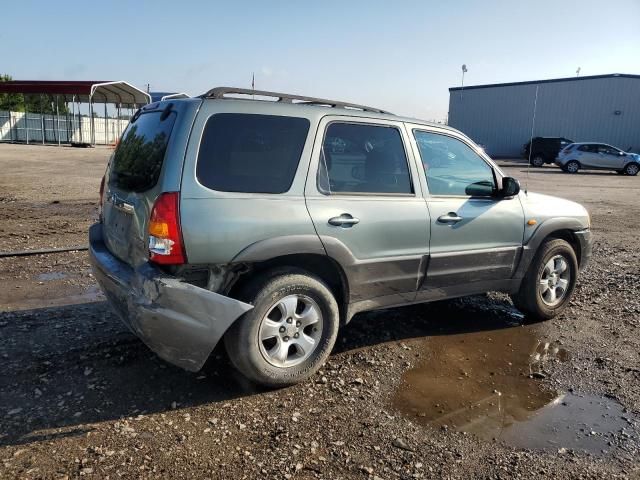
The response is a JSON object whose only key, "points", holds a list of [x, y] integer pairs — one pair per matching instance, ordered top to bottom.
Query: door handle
{"points": [[451, 217], [344, 220]]}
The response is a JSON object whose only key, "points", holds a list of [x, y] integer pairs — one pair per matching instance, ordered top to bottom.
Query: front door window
{"points": [[453, 167]]}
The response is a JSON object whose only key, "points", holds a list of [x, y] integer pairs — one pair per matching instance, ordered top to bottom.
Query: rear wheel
{"points": [[537, 161], [572, 167], [632, 169], [549, 283], [289, 333]]}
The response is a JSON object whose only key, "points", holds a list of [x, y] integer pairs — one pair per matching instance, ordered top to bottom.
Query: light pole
{"points": [[464, 70]]}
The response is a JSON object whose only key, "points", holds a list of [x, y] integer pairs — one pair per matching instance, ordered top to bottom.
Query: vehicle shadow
{"points": [[449, 317], [65, 368]]}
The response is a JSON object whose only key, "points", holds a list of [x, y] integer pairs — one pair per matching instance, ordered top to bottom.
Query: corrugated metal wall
{"points": [[500, 117], [18, 127]]}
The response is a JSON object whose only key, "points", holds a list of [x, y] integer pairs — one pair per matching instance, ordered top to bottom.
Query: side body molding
{"points": [[378, 282]]}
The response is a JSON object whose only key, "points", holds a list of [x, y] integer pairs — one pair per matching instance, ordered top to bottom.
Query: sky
{"points": [[400, 55]]}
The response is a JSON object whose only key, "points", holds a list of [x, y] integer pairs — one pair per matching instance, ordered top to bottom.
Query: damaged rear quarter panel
{"points": [[182, 323]]}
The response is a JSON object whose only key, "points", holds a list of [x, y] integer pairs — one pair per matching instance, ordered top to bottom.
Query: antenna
{"points": [[578, 72], [533, 124]]}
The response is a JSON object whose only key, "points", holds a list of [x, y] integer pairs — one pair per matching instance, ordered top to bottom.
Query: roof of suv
{"points": [[290, 104], [549, 138]]}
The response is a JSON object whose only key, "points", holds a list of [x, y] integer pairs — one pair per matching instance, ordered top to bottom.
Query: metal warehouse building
{"points": [[600, 108]]}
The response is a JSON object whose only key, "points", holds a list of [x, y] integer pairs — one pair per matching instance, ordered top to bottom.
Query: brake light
{"points": [[101, 198], [165, 235]]}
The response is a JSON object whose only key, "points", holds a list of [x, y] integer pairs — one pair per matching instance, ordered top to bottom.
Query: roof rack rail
{"points": [[222, 92]]}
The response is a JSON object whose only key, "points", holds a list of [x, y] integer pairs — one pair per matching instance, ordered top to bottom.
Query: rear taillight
{"points": [[101, 188], [101, 198], [165, 235]]}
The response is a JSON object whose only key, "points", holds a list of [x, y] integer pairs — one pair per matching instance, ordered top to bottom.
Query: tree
{"points": [[14, 102]]}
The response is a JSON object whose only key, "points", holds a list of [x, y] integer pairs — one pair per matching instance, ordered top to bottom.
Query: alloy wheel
{"points": [[572, 167], [554, 281], [290, 331]]}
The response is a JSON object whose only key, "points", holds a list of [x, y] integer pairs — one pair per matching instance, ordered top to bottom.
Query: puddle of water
{"points": [[48, 276], [486, 383], [571, 421]]}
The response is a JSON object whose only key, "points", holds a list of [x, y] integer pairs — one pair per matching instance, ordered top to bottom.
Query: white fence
{"points": [[37, 128]]}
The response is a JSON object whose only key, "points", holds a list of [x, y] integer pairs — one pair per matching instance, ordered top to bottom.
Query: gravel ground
{"points": [[81, 396]]}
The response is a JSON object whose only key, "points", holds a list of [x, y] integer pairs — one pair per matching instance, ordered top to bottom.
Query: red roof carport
{"points": [[119, 93]]}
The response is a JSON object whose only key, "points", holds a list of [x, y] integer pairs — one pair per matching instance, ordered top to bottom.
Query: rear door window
{"points": [[587, 148], [250, 153], [362, 158], [138, 159]]}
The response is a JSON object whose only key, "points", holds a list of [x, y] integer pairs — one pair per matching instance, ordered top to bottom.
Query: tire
{"points": [[538, 161], [572, 167], [631, 169], [536, 302], [261, 343]]}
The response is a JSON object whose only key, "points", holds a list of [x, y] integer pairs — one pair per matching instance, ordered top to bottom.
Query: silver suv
{"points": [[597, 156], [268, 224]]}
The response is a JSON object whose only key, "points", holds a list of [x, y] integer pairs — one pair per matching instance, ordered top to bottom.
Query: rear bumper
{"points": [[180, 322]]}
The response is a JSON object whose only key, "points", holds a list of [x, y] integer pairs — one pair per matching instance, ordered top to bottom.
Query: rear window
{"points": [[250, 153], [138, 159]]}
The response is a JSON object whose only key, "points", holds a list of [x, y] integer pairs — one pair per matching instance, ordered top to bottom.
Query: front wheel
{"points": [[572, 167], [632, 169], [549, 283], [289, 333]]}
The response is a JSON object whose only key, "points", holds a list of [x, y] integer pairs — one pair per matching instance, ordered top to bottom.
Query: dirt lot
{"points": [[456, 389]]}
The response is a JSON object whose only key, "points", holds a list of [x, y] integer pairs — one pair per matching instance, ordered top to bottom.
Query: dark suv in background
{"points": [[544, 149]]}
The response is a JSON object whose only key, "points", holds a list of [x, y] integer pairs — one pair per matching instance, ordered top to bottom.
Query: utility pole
{"points": [[464, 70]]}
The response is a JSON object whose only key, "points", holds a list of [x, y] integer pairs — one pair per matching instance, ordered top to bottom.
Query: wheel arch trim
{"points": [[554, 226], [273, 247]]}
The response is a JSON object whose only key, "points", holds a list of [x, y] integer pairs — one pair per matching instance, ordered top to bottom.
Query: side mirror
{"points": [[510, 187], [480, 189]]}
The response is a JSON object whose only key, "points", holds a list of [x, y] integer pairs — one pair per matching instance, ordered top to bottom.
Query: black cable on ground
{"points": [[43, 251]]}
